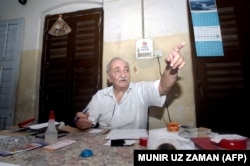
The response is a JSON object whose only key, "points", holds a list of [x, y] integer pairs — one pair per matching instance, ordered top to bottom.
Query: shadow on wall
{"points": [[174, 94], [158, 112]]}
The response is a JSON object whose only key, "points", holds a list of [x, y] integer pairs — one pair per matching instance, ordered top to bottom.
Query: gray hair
{"points": [[113, 59]]}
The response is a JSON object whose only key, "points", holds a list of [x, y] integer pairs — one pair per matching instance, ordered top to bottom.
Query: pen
{"points": [[84, 111], [77, 118]]}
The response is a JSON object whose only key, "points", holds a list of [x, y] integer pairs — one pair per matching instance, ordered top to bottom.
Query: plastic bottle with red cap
{"points": [[51, 134]]}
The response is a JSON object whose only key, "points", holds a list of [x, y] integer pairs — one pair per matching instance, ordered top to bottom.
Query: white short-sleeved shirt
{"points": [[131, 112]]}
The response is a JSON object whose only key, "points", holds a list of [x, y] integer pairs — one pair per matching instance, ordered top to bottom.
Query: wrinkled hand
{"points": [[175, 58], [83, 122]]}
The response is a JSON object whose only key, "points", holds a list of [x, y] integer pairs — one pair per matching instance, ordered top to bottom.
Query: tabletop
{"points": [[70, 155]]}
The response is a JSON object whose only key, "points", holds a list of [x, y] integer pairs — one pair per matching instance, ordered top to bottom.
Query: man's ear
{"points": [[108, 79], [109, 83]]}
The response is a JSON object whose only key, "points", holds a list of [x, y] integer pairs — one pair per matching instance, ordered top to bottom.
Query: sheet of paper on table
{"points": [[40, 126], [75, 130], [127, 134], [59, 144], [23, 149], [8, 164]]}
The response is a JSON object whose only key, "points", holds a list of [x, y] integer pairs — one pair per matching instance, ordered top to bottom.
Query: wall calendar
{"points": [[206, 26]]}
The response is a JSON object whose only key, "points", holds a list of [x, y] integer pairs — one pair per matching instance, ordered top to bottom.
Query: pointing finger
{"points": [[179, 46]]}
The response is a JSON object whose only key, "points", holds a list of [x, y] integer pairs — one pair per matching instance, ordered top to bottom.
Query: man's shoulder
{"points": [[105, 90]]}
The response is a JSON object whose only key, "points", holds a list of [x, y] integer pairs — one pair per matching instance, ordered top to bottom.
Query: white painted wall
{"points": [[123, 18], [165, 21]]}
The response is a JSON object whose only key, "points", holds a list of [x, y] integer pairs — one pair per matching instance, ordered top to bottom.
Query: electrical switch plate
{"points": [[157, 53]]}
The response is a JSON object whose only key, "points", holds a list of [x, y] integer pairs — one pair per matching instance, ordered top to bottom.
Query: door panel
{"points": [[11, 32], [72, 65], [221, 82]]}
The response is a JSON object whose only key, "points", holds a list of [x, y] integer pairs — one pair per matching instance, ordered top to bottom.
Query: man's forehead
{"points": [[119, 63]]}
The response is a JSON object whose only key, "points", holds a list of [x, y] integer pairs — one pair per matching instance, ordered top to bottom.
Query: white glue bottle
{"points": [[51, 133]]}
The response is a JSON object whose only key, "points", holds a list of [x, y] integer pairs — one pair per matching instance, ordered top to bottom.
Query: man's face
{"points": [[119, 74]]}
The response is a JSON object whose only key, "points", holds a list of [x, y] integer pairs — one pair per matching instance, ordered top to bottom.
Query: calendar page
{"points": [[206, 26]]}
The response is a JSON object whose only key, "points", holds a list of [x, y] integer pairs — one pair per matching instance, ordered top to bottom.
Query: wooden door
{"points": [[71, 69], [221, 83]]}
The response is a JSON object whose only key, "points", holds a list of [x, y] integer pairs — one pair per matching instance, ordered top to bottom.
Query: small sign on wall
{"points": [[144, 49]]}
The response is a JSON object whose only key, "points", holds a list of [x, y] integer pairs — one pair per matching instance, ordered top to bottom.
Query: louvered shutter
{"points": [[72, 65], [221, 81]]}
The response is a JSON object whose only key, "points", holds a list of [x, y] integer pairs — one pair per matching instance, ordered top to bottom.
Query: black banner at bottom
{"points": [[192, 157]]}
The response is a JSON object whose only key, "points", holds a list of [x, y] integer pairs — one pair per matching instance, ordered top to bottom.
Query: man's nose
{"points": [[124, 73]]}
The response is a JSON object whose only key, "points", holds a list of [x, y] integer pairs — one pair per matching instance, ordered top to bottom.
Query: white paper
{"points": [[40, 126], [95, 131], [127, 134], [218, 138], [59, 144], [8, 164]]}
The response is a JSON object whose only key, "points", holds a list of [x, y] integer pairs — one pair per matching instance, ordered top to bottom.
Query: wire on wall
{"points": [[142, 20], [158, 58]]}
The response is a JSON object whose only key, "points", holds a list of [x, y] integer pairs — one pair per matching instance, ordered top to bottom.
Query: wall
{"points": [[125, 21]]}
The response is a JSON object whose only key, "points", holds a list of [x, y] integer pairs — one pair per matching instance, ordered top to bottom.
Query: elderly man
{"points": [[124, 105]]}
